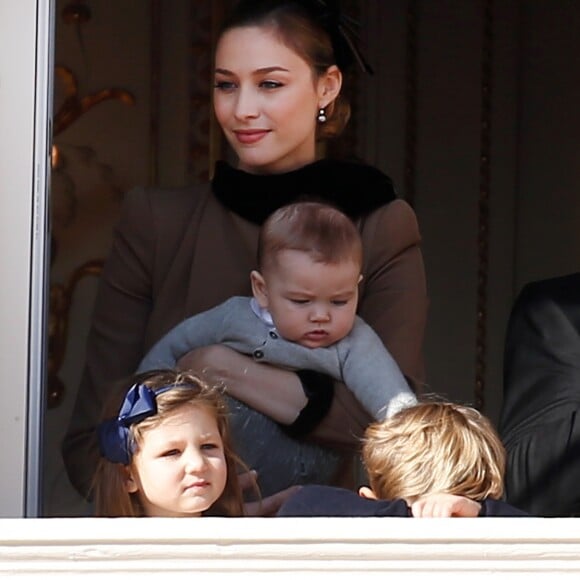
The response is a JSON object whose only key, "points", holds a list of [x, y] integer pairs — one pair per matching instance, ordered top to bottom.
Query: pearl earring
{"points": [[321, 116]]}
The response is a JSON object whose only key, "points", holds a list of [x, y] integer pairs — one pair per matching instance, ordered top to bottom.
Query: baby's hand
{"points": [[445, 505]]}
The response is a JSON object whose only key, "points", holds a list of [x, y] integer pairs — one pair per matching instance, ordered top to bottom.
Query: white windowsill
{"points": [[294, 548]]}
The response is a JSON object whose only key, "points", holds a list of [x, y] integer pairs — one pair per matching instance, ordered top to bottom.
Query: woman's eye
{"points": [[270, 84], [224, 85]]}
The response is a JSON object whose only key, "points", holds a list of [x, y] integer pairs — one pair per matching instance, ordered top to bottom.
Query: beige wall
{"points": [[535, 165], [548, 202]]}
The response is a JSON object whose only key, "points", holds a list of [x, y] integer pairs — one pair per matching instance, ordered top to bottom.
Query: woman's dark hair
{"points": [[311, 29]]}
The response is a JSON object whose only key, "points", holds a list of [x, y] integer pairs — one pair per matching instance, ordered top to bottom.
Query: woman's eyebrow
{"points": [[263, 70]]}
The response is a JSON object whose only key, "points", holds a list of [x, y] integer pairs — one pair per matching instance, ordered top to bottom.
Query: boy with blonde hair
{"points": [[432, 459]]}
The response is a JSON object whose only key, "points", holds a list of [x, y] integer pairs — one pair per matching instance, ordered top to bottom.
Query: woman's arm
{"points": [[394, 299], [115, 341], [272, 391], [278, 393]]}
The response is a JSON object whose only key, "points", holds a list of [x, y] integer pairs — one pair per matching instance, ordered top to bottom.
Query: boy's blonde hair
{"points": [[434, 447], [110, 490]]}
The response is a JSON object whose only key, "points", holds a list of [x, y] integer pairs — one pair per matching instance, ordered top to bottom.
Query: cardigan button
{"points": [[273, 334], [258, 354]]}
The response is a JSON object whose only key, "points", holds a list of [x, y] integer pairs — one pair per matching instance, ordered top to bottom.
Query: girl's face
{"points": [[266, 100], [180, 468]]}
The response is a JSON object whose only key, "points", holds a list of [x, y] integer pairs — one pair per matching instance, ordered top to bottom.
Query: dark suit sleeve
{"points": [[538, 422], [325, 501], [500, 509]]}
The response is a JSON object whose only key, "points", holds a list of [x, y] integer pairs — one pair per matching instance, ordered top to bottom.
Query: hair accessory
{"points": [[343, 31], [321, 116], [114, 437]]}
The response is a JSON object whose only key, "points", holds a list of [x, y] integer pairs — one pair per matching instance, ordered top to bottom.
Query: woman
{"points": [[278, 77]]}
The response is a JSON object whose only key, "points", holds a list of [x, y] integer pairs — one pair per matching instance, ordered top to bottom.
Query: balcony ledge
{"points": [[313, 548]]}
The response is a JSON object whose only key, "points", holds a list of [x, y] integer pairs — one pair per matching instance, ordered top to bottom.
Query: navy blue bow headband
{"points": [[115, 441]]}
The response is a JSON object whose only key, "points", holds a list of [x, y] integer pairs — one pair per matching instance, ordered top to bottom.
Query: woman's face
{"points": [[266, 100]]}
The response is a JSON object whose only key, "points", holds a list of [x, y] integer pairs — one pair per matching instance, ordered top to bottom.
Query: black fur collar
{"points": [[355, 188]]}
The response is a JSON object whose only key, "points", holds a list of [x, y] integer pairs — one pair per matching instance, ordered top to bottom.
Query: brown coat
{"points": [[178, 252]]}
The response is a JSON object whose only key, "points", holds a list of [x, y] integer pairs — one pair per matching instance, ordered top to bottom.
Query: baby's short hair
{"points": [[322, 231], [434, 447]]}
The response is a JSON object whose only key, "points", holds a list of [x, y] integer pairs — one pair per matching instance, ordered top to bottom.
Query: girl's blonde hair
{"points": [[434, 447], [110, 484]]}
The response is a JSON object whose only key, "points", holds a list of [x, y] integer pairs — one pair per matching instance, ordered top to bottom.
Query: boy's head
{"points": [[309, 261], [434, 447]]}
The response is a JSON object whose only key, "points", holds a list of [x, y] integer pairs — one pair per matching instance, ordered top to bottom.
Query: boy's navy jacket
{"points": [[321, 500]]}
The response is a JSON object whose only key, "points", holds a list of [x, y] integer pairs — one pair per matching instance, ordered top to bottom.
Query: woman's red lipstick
{"points": [[251, 136]]}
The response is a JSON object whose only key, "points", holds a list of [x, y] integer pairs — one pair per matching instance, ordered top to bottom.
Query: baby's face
{"points": [[311, 303]]}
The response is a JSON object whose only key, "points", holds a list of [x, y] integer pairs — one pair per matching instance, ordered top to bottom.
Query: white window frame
{"points": [[25, 103]]}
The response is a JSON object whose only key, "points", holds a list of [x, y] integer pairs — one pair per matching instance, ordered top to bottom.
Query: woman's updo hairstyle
{"points": [[315, 31]]}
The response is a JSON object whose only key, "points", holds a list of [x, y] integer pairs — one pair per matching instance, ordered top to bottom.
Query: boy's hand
{"points": [[445, 505]]}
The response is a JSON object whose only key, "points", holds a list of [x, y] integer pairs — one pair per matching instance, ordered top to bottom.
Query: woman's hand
{"points": [[275, 392], [278, 393], [445, 505]]}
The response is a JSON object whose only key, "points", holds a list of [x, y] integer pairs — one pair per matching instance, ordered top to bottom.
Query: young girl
{"points": [[167, 451]]}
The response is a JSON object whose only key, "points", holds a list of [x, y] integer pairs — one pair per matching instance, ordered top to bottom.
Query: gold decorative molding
{"points": [[410, 102], [74, 106], [204, 135], [484, 203], [61, 297]]}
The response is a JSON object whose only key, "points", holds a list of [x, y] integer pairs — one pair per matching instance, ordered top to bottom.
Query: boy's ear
{"points": [[259, 288], [130, 483], [367, 492]]}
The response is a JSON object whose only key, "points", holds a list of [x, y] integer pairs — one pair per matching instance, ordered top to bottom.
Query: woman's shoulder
{"points": [[166, 199], [153, 209], [393, 225]]}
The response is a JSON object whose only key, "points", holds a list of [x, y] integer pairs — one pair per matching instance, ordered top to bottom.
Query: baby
{"points": [[303, 312]]}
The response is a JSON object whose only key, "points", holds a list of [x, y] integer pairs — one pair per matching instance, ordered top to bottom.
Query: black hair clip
{"points": [[343, 30]]}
